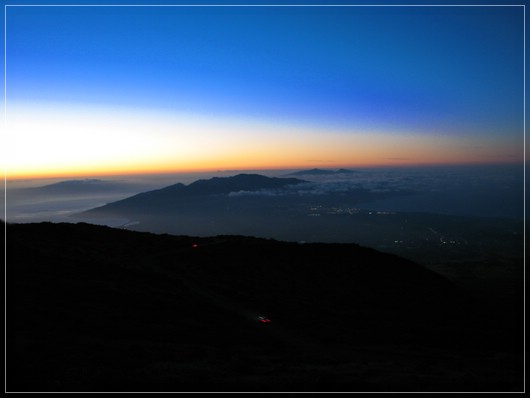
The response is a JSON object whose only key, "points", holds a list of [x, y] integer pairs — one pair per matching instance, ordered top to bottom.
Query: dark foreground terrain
{"points": [[91, 308]]}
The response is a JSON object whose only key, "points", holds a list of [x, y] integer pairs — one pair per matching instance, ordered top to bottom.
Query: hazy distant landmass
{"points": [[320, 172], [241, 185], [85, 186], [171, 198], [54, 202], [248, 204], [291, 209], [92, 308]]}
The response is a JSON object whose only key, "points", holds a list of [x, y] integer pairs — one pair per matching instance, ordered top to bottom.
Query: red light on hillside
{"points": [[195, 245]]}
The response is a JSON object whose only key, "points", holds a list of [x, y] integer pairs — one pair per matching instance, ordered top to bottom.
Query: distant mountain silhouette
{"points": [[320, 172], [240, 182], [86, 186], [198, 190], [245, 204], [92, 308]]}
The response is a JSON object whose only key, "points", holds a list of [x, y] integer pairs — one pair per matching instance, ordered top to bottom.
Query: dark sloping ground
{"points": [[92, 308]]}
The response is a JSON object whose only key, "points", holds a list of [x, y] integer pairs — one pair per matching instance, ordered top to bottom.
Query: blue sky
{"points": [[437, 73]]}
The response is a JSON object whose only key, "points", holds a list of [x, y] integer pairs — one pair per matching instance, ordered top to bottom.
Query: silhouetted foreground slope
{"points": [[92, 308]]}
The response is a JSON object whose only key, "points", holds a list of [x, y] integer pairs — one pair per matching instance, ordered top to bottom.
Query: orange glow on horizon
{"points": [[66, 142], [146, 171]]}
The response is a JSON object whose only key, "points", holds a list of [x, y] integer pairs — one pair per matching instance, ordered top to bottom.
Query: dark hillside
{"points": [[92, 308]]}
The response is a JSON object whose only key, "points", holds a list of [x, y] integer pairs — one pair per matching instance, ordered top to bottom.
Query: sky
{"points": [[110, 90]]}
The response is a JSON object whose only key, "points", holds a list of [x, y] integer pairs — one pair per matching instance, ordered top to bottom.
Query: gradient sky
{"points": [[147, 89]]}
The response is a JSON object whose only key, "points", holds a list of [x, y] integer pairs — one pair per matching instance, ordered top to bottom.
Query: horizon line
{"points": [[118, 173]]}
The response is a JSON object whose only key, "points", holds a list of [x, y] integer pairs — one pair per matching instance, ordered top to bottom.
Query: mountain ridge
{"points": [[200, 188]]}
